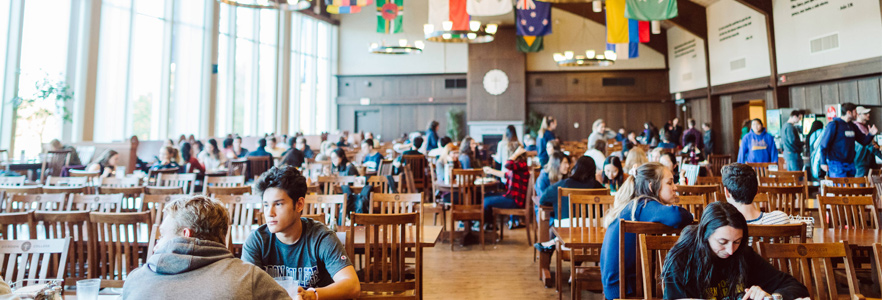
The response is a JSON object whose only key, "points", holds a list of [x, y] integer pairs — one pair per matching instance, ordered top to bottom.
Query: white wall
{"points": [[858, 24], [358, 31], [574, 33], [735, 33], [687, 59]]}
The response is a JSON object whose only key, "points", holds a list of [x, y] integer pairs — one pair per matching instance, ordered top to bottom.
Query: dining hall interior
{"points": [[355, 149]]}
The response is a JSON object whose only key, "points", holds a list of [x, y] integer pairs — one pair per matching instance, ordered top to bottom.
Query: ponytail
{"points": [[634, 188]]}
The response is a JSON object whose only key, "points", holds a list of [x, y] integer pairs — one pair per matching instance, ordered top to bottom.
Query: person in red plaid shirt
{"points": [[517, 178]]}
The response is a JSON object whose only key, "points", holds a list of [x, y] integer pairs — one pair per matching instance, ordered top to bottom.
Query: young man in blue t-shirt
{"points": [[837, 143], [372, 158], [302, 248]]}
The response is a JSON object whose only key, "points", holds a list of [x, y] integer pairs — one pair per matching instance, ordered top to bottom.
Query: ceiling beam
{"points": [[657, 42]]}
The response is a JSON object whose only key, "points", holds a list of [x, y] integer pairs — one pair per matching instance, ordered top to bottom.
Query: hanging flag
{"points": [[346, 6], [488, 7], [653, 10], [441, 11], [390, 15], [459, 15], [533, 18], [616, 23], [638, 31], [644, 31], [530, 43], [624, 50]]}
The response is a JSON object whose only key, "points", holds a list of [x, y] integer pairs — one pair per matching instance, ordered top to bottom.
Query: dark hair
{"points": [[847, 107], [796, 113], [760, 122], [691, 123], [746, 123], [707, 124], [816, 125], [433, 126], [511, 133], [239, 138], [273, 139], [689, 139], [445, 140], [291, 141], [228, 142], [369, 142], [418, 142], [213, 143], [261, 143], [198, 144], [600, 145], [185, 151], [342, 155], [105, 157], [294, 157], [672, 157], [616, 162], [584, 171], [286, 178], [740, 180], [691, 260]]}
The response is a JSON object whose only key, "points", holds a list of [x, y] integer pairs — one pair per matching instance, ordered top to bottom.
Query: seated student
{"points": [[666, 140], [530, 143], [300, 144], [441, 144], [56, 145], [273, 147], [415, 147], [261, 149], [237, 150], [691, 150], [325, 151], [597, 153], [468, 154], [188, 156], [211, 157], [293, 158], [372, 158], [167, 159], [106, 165], [340, 165], [553, 172], [613, 176], [581, 177], [517, 178], [740, 185], [646, 196], [288, 245], [191, 259], [712, 261]]}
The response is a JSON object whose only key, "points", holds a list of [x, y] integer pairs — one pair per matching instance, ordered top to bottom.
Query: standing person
{"points": [[676, 131], [692, 131], [599, 132], [546, 134], [432, 136], [708, 138], [814, 139], [837, 143], [792, 144], [758, 146], [506, 147], [864, 158], [518, 176], [740, 185], [647, 196], [712, 261]]}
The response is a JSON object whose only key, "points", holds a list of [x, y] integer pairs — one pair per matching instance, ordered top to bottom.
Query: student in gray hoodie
{"points": [[191, 261]]}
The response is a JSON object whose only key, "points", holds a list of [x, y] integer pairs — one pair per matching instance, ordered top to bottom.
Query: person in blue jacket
{"points": [[546, 134], [432, 136], [837, 143], [758, 146], [645, 197]]}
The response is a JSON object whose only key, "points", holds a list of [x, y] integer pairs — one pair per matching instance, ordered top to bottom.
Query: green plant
{"points": [[49, 100], [455, 120], [534, 121]]}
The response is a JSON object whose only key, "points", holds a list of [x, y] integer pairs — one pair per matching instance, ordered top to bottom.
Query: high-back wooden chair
{"points": [[53, 162], [716, 163], [259, 164], [418, 165], [238, 167], [385, 168], [762, 169], [153, 173], [799, 175], [90, 176], [12, 180], [68, 181], [185, 181], [224, 181], [778, 181], [849, 181], [120, 182], [380, 184], [329, 185], [66, 189], [163, 190], [224, 190], [869, 191], [569, 192], [708, 192], [131, 195], [789, 199], [467, 200], [29, 202], [761, 202], [96, 203], [395, 203], [693, 203], [155, 204], [333, 206], [244, 210], [588, 210], [585, 211], [848, 212], [319, 218], [14, 224], [73, 225], [637, 228], [783, 233], [116, 238], [386, 247], [652, 251], [30, 260], [806, 262]]}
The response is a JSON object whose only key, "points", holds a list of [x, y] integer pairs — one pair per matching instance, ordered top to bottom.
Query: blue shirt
{"points": [[431, 140], [837, 141], [543, 142], [758, 148], [259, 152], [372, 162], [542, 183], [646, 211]]}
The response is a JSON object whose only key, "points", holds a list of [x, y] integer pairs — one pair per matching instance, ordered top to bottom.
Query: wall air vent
{"points": [[825, 43], [738, 64], [686, 77], [619, 81], [455, 83]]}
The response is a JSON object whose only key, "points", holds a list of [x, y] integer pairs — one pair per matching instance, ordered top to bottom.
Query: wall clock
{"points": [[495, 82]]}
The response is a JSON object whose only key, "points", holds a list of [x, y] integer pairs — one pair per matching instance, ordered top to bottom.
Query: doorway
{"points": [[741, 112], [368, 121]]}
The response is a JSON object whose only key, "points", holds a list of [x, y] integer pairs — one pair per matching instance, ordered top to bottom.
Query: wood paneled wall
{"points": [[500, 54], [544, 87], [860, 91]]}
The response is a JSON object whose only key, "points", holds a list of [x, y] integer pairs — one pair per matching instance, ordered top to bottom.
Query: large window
{"points": [[189, 68], [311, 73]]}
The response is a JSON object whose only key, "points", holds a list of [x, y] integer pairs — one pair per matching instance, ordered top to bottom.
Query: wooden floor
{"points": [[502, 271]]}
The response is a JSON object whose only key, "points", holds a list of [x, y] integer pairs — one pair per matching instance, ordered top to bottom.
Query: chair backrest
{"points": [[53, 162], [716, 163], [259, 164], [417, 164], [237, 167], [385, 168], [762, 169], [153, 173], [86, 174], [800, 175], [12, 180], [709, 180], [69, 181], [185, 181], [224, 181], [778, 181], [849, 181], [120, 182], [329, 184], [380, 184], [406, 184], [24, 189], [72, 189], [163, 190], [224, 190], [848, 191], [570, 192], [708, 192], [469, 194], [131, 195], [789, 199], [29, 202], [761, 202], [96, 203], [395, 203], [155, 204], [694, 204], [333, 206], [244, 210], [588, 210], [848, 212], [319, 217], [13, 225], [73, 225], [638, 228], [784, 233], [116, 238], [154, 238], [386, 249], [652, 252], [877, 257], [31, 259], [806, 262]]}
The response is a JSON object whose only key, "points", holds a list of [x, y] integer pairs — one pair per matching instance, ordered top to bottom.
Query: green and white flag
{"points": [[650, 10], [390, 14], [529, 43]]}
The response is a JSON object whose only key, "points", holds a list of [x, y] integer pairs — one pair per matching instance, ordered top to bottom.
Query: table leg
{"points": [[544, 257]]}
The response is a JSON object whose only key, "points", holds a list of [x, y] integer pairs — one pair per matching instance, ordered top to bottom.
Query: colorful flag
{"points": [[346, 6], [488, 7], [652, 10], [441, 11], [390, 14], [459, 15], [533, 18], [616, 23], [638, 31], [644, 31], [530, 43], [624, 50]]}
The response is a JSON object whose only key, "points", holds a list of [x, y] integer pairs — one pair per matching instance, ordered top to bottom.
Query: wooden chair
{"points": [[53, 162], [716, 163], [259, 164], [417, 164], [237, 167], [385, 168], [762, 169], [152, 174], [799, 175], [90, 176], [12, 180], [709, 180], [68, 181], [185, 181], [224, 181], [778, 181], [849, 181], [120, 182], [380, 184], [329, 185], [63, 190], [163, 190], [223, 190], [869, 191], [569, 192], [708, 192], [131, 195], [789, 199], [761, 201], [46, 202], [96, 203], [395, 203], [155, 204], [470, 204], [694, 204], [333, 206], [244, 210], [585, 211], [526, 212], [848, 212], [319, 217], [13, 225], [73, 225], [638, 228], [784, 233], [115, 237], [155, 237], [385, 250], [652, 252], [877, 257], [27, 260], [806, 262]]}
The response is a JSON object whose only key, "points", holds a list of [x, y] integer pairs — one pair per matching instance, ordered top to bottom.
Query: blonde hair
{"points": [[546, 122], [636, 157], [552, 168], [645, 184], [206, 218]]}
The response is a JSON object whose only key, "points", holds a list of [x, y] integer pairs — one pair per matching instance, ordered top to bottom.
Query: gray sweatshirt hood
{"points": [[182, 254]]}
